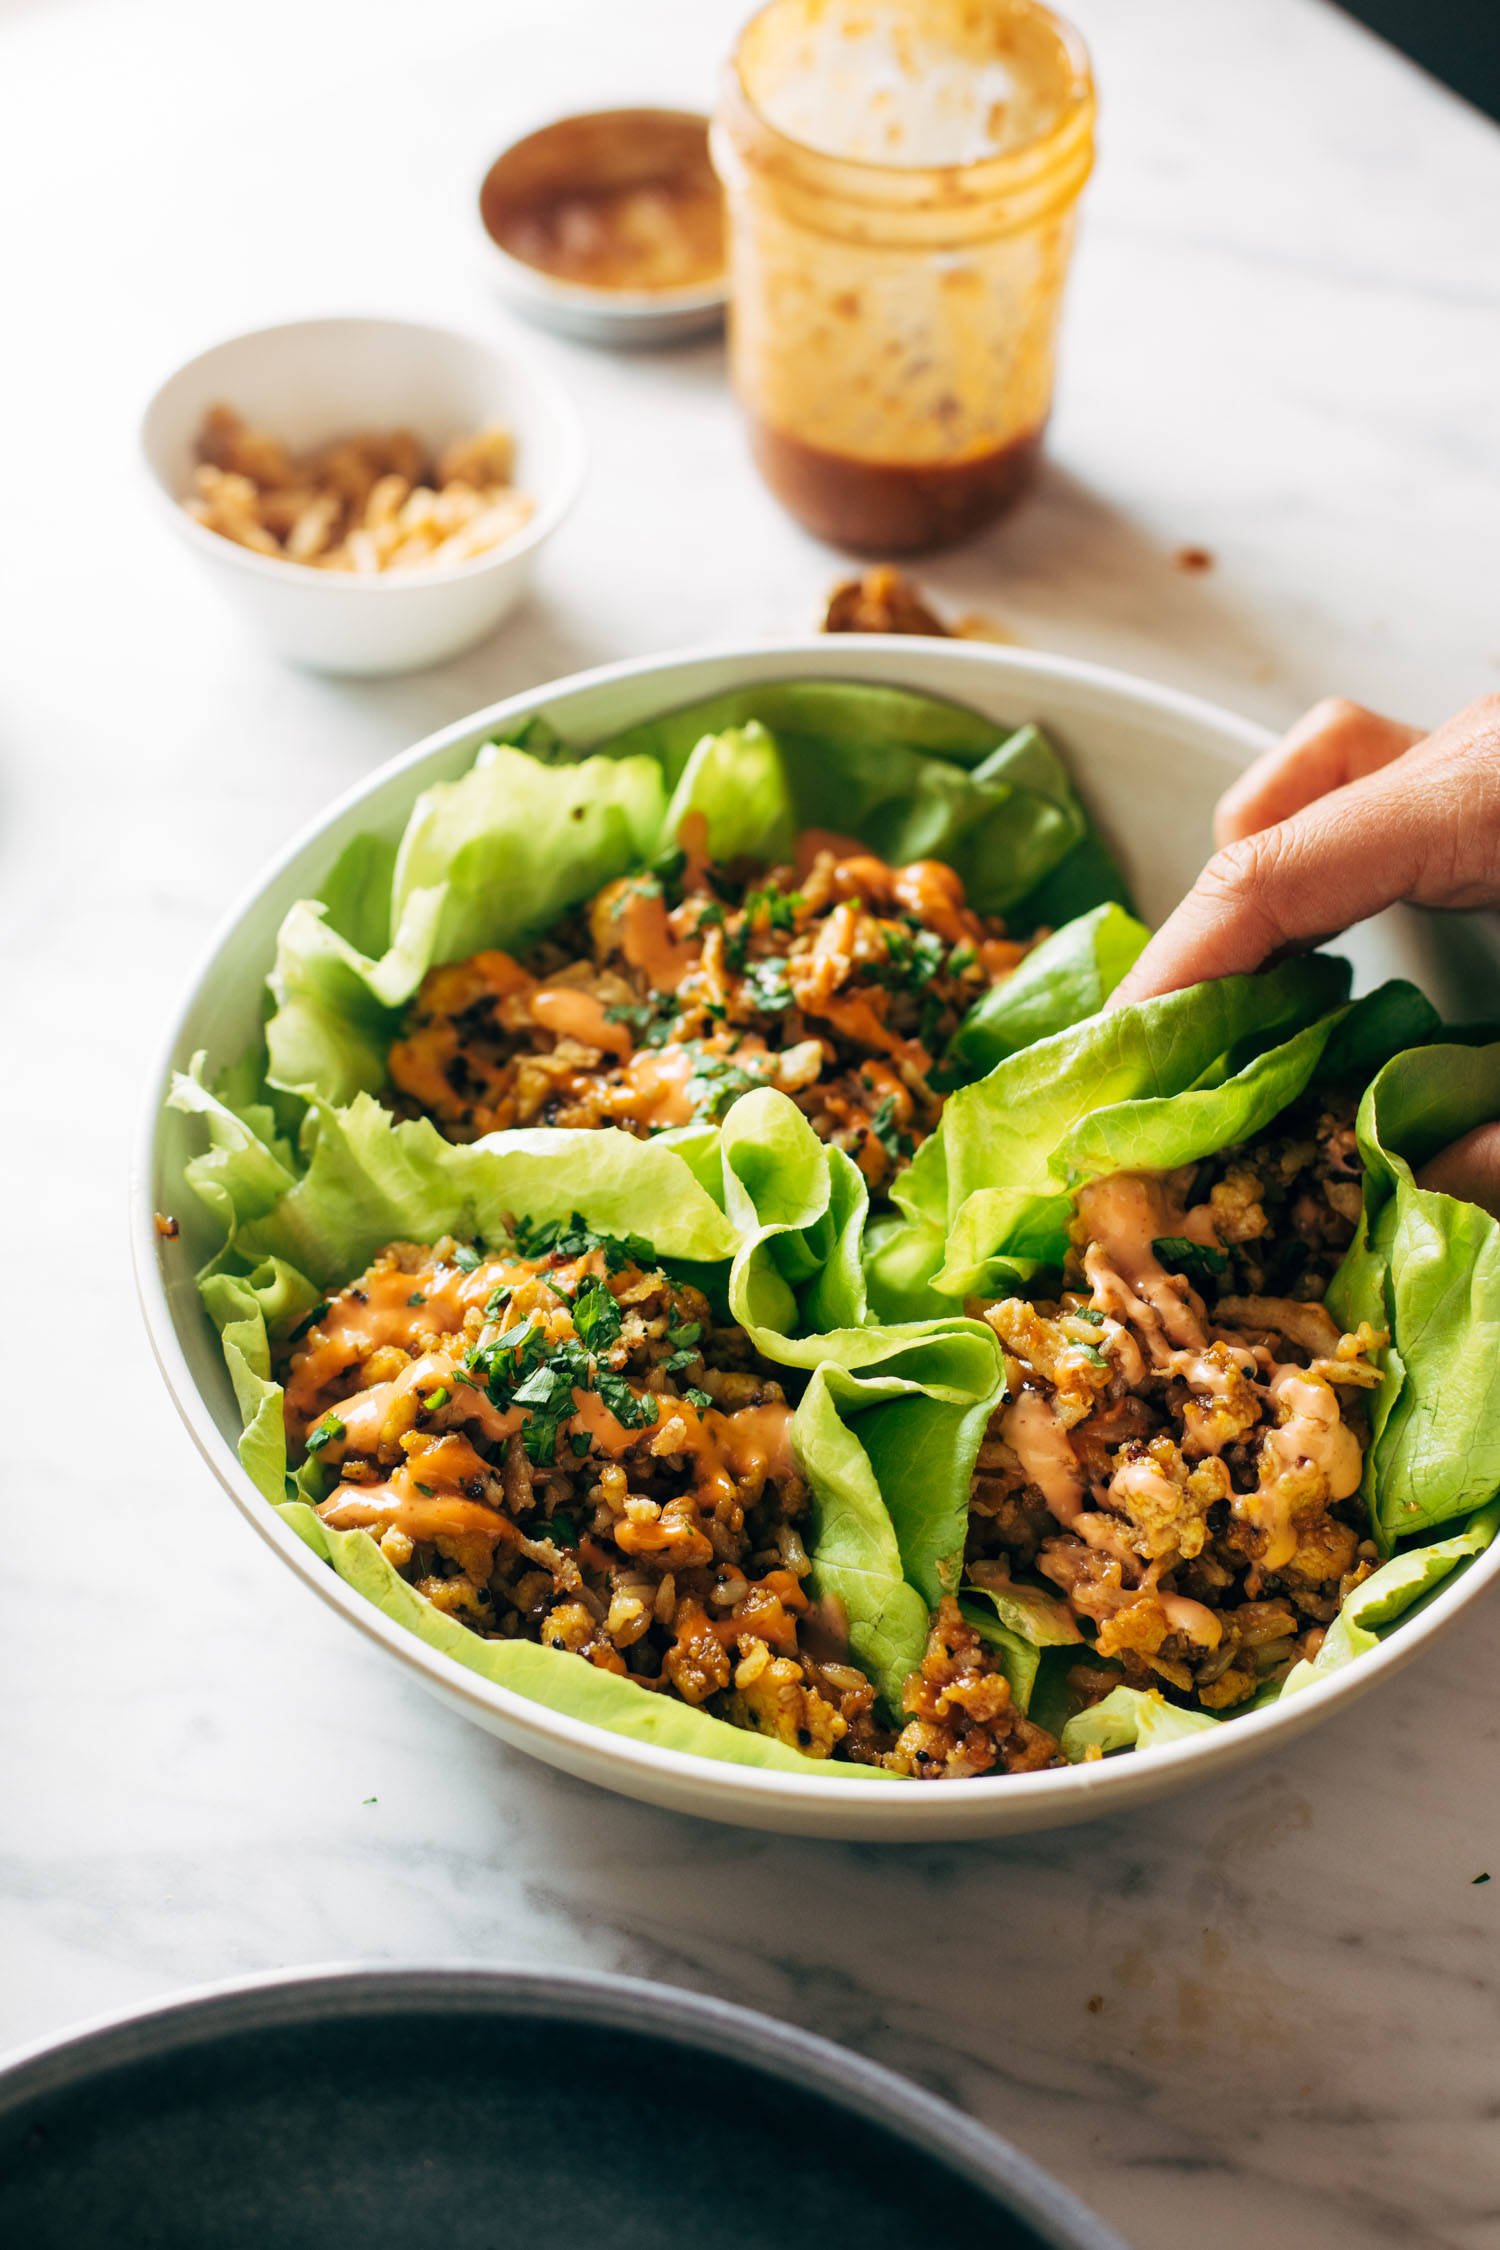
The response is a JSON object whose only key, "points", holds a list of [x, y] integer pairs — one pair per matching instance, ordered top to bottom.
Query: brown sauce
{"points": [[621, 200], [892, 508]]}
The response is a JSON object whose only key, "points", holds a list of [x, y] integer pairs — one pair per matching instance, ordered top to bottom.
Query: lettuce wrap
{"points": [[536, 826], [1177, 1079], [987, 1201], [768, 1219], [1427, 1269]]}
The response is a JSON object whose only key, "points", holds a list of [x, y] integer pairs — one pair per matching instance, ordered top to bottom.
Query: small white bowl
{"points": [[594, 147], [308, 381]]}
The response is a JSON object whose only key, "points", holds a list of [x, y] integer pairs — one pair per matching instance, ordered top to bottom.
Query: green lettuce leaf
{"points": [[914, 778], [738, 782], [512, 844], [494, 857], [487, 860], [1068, 976], [1147, 1087], [1426, 1268], [797, 1288], [886, 1429], [855, 1553], [1388, 1594], [1041, 1618], [1020, 1622], [1020, 1659], [1130, 1719]]}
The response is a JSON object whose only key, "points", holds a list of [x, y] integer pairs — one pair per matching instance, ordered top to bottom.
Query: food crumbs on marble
{"points": [[1195, 559], [883, 600], [167, 1227], [370, 1800], [1481, 1878], [1095, 2003]]}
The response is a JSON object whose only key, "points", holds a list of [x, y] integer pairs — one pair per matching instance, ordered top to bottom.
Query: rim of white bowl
{"points": [[536, 287], [549, 513], [1072, 1786]]}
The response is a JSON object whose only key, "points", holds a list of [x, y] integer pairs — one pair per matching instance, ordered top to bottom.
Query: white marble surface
{"points": [[1267, 2013]]}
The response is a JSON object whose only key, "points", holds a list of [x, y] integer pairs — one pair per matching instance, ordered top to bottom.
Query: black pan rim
{"points": [[346, 1991]]}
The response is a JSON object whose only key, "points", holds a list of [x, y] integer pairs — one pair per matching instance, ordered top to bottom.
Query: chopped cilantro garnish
{"points": [[779, 909], [711, 916], [914, 956], [962, 957], [769, 989], [639, 1016], [717, 1081], [883, 1125], [575, 1239], [465, 1257], [1194, 1259], [416, 1298], [497, 1300], [1090, 1313], [596, 1316], [308, 1320], [690, 1332], [1092, 1354], [507, 1359], [679, 1360], [539, 1387], [548, 1391], [697, 1398], [633, 1410], [327, 1430], [580, 1442], [562, 1530]]}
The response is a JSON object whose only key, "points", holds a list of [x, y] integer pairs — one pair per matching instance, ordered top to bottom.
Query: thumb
{"points": [[1327, 867], [1468, 1169]]}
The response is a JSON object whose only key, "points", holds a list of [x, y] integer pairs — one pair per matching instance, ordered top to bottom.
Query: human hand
{"points": [[1348, 814]]}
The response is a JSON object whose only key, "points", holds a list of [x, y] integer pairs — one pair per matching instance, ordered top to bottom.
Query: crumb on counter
{"points": [[1194, 560], [883, 600], [167, 1227]]}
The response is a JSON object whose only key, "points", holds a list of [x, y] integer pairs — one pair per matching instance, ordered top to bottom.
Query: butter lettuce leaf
{"points": [[913, 778], [495, 856], [486, 860], [1068, 976], [1148, 1087], [1426, 1268], [886, 1427], [1388, 1594], [1130, 1719]]}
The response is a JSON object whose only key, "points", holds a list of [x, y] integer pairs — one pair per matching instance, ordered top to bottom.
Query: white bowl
{"points": [[311, 380], [1151, 762]]}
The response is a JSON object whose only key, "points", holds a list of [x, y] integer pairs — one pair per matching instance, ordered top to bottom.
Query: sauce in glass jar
{"points": [[901, 178]]}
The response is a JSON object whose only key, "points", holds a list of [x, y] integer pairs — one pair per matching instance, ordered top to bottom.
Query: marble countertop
{"points": [[1266, 2012]]}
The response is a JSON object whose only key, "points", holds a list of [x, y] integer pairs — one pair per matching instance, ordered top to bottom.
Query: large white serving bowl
{"points": [[309, 381], [1151, 763]]}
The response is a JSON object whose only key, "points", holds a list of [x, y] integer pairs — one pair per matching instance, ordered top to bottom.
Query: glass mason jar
{"points": [[901, 177]]}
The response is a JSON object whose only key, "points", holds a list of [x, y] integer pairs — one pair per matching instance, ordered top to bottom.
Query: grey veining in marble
{"points": [[1267, 2013]]}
